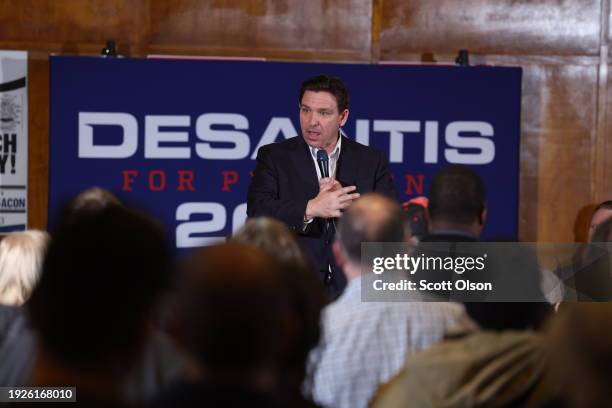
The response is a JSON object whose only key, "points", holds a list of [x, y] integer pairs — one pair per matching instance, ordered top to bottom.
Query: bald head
{"points": [[371, 218]]}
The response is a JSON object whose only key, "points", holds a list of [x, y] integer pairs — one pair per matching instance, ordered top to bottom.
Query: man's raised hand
{"points": [[332, 198]]}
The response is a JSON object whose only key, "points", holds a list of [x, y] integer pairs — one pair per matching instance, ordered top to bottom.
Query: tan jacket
{"points": [[480, 369]]}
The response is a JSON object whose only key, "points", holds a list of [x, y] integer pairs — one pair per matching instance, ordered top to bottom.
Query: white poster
{"points": [[13, 140]]}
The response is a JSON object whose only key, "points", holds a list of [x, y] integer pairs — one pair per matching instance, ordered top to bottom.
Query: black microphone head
{"points": [[322, 155], [323, 162]]}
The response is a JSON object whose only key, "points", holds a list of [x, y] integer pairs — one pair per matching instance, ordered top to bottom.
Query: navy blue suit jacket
{"points": [[285, 178]]}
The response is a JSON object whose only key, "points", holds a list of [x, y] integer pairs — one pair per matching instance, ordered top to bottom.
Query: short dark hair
{"points": [[327, 83], [457, 194], [606, 205], [354, 228], [603, 232], [517, 268], [102, 277], [232, 304], [500, 316]]}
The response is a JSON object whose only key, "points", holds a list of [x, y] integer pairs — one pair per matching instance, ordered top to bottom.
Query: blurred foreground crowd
{"points": [[103, 306]]}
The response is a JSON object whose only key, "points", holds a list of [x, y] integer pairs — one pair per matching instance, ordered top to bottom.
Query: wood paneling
{"points": [[69, 24], [542, 27], [264, 28], [558, 45], [558, 126], [38, 142], [605, 145], [566, 154]]}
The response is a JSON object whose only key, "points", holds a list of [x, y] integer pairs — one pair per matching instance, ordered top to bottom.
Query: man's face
{"points": [[320, 119], [600, 216]]}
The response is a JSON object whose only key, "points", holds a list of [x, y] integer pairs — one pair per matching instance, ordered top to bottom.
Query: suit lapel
{"points": [[305, 167], [346, 169]]}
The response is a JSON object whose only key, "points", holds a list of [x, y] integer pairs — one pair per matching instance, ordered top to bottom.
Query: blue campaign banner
{"points": [[180, 137]]}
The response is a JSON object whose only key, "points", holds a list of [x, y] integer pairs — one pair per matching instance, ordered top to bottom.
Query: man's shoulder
{"points": [[297, 142], [283, 145], [357, 146], [360, 150], [349, 310], [477, 346]]}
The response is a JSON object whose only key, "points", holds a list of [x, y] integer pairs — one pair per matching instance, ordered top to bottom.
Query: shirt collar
{"points": [[335, 153], [352, 289]]}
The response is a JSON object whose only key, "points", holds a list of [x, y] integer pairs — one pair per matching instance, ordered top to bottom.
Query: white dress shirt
{"points": [[333, 157], [333, 163]]}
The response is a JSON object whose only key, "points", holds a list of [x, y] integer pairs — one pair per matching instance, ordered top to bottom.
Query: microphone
{"points": [[323, 162]]}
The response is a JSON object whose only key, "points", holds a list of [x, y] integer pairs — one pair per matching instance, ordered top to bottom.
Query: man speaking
{"points": [[306, 182]]}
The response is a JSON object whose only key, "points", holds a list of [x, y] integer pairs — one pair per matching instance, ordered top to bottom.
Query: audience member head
{"points": [[92, 199], [457, 200], [87, 201], [416, 213], [602, 213], [371, 218], [602, 232], [273, 237], [21, 255], [596, 255], [514, 269], [593, 279], [101, 280], [304, 289], [232, 308], [500, 316], [582, 347]]}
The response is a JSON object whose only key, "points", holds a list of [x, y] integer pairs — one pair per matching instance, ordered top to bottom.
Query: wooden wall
{"points": [[562, 45]]}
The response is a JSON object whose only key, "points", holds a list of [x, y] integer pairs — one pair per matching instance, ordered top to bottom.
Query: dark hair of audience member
{"points": [[457, 195], [86, 202], [605, 205], [603, 232], [520, 263], [516, 265], [593, 280], [100, 284], [306, 294], [232, 306], [500, 316], [582, 350]]}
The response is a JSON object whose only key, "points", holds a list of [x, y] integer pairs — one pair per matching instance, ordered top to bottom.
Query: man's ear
{"points": [[344, 117], [482, 216], [339, 254]]}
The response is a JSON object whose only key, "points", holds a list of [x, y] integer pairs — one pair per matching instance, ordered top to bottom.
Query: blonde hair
{"points": [[273, 237], [21, 256]]}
